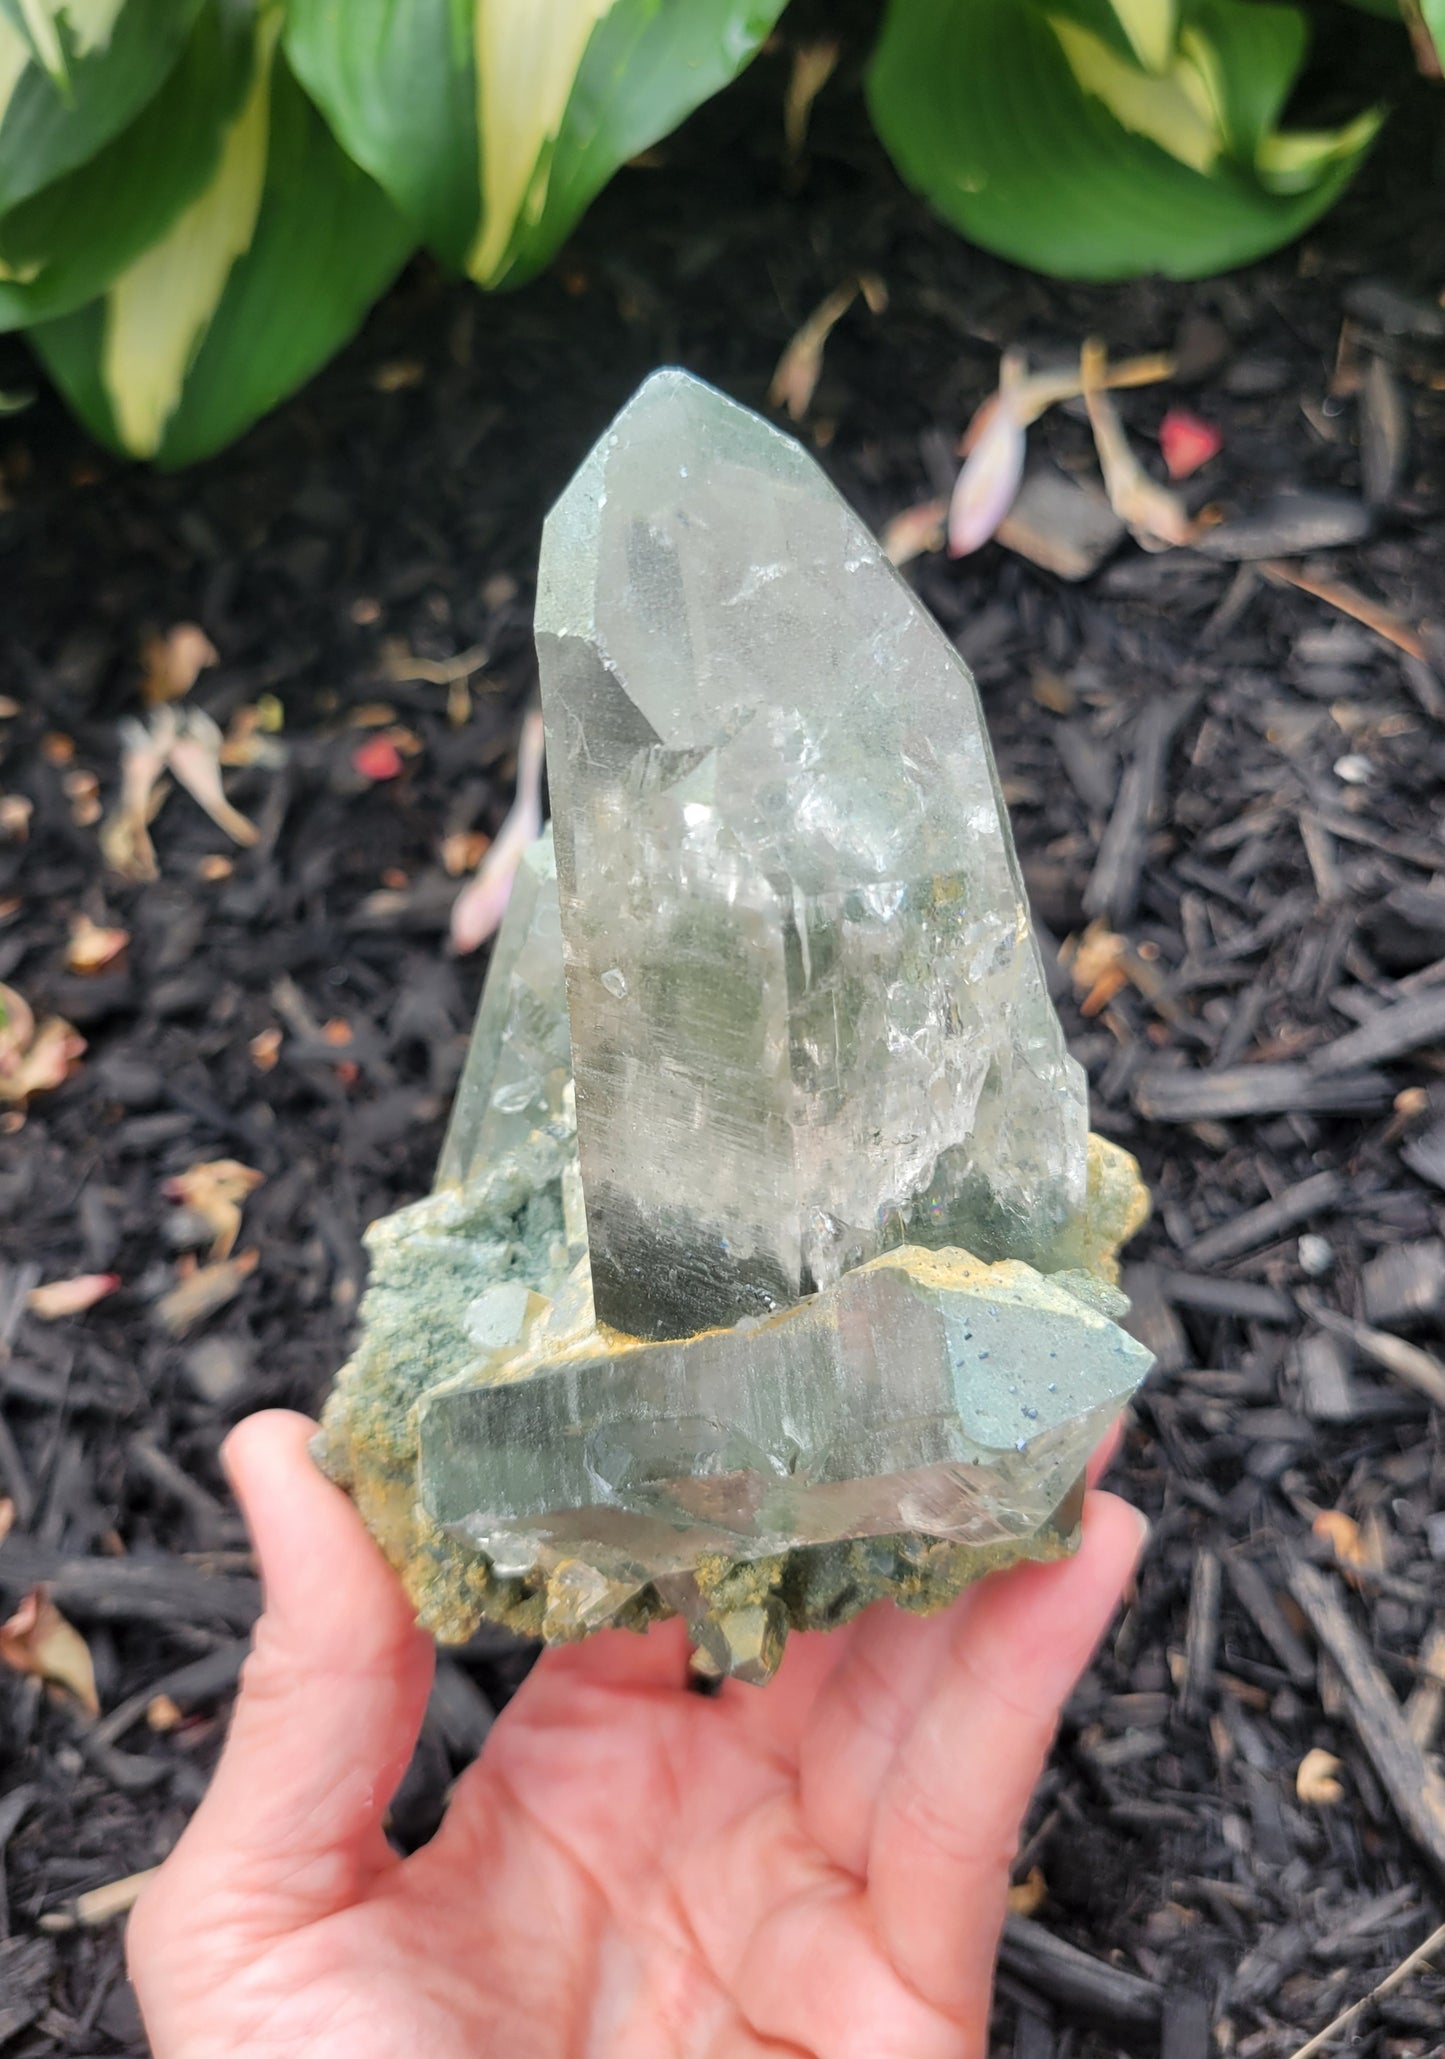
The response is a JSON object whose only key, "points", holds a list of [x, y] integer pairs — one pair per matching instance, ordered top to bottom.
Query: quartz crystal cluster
{"points": [[770, 1264]]}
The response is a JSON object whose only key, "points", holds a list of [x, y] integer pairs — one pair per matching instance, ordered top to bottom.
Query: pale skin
{"points": [[630, 1870]]}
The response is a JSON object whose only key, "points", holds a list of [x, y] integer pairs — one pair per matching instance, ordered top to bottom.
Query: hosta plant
{"points": [[1099, 139], [199, 199]]}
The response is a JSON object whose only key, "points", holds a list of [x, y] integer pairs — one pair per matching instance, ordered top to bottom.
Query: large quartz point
{"points": [[809, 1020], [769, 1268]]}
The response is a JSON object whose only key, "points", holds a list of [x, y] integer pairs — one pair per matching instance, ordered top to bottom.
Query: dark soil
{"points": [[1242, 783]]}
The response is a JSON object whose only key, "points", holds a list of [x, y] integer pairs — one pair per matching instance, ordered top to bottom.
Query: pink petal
{"points": [[1187, 442], [992, 473], [478, 909]]}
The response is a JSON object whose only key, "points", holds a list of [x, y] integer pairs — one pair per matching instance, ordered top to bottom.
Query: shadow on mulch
{"points": [[1240, 782]]}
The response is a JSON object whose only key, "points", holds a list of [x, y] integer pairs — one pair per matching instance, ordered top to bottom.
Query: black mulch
{"points": [[1241, 782]]}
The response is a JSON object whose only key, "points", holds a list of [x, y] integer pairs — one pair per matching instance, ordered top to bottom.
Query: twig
{"points": [[1355, 605], [1418, 1369], [1412, 1783], [90, 1910], [1387, 1986]]}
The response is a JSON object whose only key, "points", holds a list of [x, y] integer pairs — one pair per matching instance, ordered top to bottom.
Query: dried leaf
{"points": [[813, 66], [400, 375], [795, 379], [1156, 518], [913, 532], [174, 662], [401, 664], [250, 735], [195, 758], [82, 791], [15, 814], [125, 842], [463, 852], [479, 907], [92, 948], [1097, 965], [17, 1027], [265, 1049], [32, 1060], [216, 1190], [204, 1289], [59, 1298], [1343, 1535], [38, 1640], [162, 1714], [1314, 1780], [1027, 1896]]}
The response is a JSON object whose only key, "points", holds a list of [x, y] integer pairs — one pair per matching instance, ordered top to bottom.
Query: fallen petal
{"points": [[799, 368], [1188, 442], [992, 474], [1156, 518], [914, 532], [174, 662], [195, 758], [378, 758], [482, 902], [92, 948], [17, 1028], [47, 1063], [216, 1191], [205, 1290], [70, 1297], [38, 1640], [1314, 1780]]}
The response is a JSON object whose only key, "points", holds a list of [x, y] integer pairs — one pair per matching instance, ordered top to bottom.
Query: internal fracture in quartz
{"points": [[769, 1267]]}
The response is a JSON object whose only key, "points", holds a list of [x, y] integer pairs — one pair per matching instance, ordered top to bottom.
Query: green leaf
{"points": [[1432, 13], [1147, 31], [116, 56], [645, 67], [396, 80], [494, 123], [1035, 137], [324, 241], [64, 245]]}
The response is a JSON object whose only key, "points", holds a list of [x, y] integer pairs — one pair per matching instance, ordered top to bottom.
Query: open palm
{"points": [[630, 1869]]}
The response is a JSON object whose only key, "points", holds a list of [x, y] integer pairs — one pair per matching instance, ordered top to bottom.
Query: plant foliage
{"points": [[1099, 139], [199, 199]]}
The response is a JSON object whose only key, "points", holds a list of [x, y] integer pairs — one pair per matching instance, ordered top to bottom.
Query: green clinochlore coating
{"points": [[428, 1261]]}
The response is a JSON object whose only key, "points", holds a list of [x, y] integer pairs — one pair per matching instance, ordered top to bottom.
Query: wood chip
{"points": [[1399, 1027], [1285, 1088], [1256, 1226], [1411, 1781]]}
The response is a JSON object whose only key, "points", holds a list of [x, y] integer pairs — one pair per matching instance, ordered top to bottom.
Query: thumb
{"points": [[331, 1702]]}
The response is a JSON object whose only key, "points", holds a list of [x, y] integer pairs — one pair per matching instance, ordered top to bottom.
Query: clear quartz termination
{"points": [[809, 1020]]}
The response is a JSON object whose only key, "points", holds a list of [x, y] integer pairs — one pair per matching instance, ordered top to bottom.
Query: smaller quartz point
{"points": [[518, 1073], [926, 1392]]}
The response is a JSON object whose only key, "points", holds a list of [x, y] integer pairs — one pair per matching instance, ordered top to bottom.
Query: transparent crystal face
{"points": [[809, 1021], [518, 1072], [923, 1393]]}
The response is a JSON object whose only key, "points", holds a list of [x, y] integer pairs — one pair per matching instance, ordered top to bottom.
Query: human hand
{"points": [[630, 1870]]}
